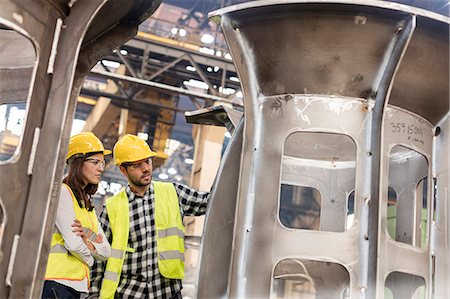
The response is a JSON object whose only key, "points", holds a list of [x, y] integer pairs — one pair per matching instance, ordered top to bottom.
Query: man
{"points": [[144, 225]]}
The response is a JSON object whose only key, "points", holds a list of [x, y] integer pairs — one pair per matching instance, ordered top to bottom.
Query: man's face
{"points": [[139, 173]]}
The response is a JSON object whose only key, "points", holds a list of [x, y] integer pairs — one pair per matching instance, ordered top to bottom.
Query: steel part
{"points": [[374, 73], [382, 87], [50, 93], [219, 115], [213, 266]]}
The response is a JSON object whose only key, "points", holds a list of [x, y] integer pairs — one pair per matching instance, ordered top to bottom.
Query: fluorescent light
{"points": [[174, 30], [182, 32], [207, 38], [206, 50], [123, 52], [219, 53], [228, 56], [110, 63], [191, 68], [209, 69], [216, 69], [235, 79], [196, 83], [227, 90], [239, 94], [227, 134], [142, 135], [171, 146], [188, 161], [172, 171], [163, 176], [114, 187], [101, 188]]}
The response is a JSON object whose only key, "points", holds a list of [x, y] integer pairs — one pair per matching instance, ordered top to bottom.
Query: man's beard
{"points": [[139, 183]]}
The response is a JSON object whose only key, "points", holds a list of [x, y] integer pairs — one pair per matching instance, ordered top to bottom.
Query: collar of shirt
{"points": [[132, 196]]}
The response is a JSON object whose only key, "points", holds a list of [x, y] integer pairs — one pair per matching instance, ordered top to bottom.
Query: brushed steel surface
{"points": [[311, 74]]}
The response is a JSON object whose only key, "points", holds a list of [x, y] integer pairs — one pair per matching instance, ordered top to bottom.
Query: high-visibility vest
{"points": [[169, 236], [63, 265]]}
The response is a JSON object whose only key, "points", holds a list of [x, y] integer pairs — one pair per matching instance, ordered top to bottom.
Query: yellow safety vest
{"points": [[169, 236], [63, 265]]}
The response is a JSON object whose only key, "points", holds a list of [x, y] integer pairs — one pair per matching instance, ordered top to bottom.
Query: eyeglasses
{"points": [[96, 162], [139, 165]]}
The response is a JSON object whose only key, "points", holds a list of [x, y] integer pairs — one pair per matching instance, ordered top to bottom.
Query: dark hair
{"points": [[75, 181]]}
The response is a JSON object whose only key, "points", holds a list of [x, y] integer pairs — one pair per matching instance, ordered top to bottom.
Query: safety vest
{"points": [[169, 236], [63, 265]]}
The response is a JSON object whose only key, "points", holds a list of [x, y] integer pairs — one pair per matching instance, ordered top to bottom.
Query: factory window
{"points": [[17, 61], [317, 182], [407, 206], [300, 278], [403, 285]]}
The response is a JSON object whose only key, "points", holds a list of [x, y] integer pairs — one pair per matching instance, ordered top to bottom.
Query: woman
{"points": [[77, 238]]}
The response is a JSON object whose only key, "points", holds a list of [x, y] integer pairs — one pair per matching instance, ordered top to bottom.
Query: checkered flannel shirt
{"points": [[140, 276]]}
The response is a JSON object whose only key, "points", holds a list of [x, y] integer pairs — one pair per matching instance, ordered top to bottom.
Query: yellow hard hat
{"points": [[84, 143], [131, 148]]}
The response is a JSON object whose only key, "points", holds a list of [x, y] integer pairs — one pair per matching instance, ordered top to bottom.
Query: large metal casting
{"points": [[48, 47], [343, 165]]}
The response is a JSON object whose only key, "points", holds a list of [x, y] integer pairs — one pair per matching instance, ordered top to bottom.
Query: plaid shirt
{"points": [[140, 276]]}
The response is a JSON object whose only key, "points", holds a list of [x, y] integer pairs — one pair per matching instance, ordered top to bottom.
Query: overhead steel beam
{"points": [[176, 49], [166, 67], [163, 87], [116, 98]]}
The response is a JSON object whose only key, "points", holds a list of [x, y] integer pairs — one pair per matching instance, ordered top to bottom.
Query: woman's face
{"points": [[93, 167]]}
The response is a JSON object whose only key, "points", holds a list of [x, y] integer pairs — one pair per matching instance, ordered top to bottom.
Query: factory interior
{"points": [[176, 85]]}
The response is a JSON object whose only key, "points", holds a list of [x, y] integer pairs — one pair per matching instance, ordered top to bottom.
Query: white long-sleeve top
{"points": [[65, 217]]}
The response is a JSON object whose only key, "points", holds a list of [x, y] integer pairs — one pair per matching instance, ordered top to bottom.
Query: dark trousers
{"points": [[54, 290], [177, 296]]}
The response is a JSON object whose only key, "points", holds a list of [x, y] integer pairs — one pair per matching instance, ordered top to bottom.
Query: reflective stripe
{"points": [[172, 231], [89, 234], [58, 248], [116, 253], [171, 255], [111, 276]]}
